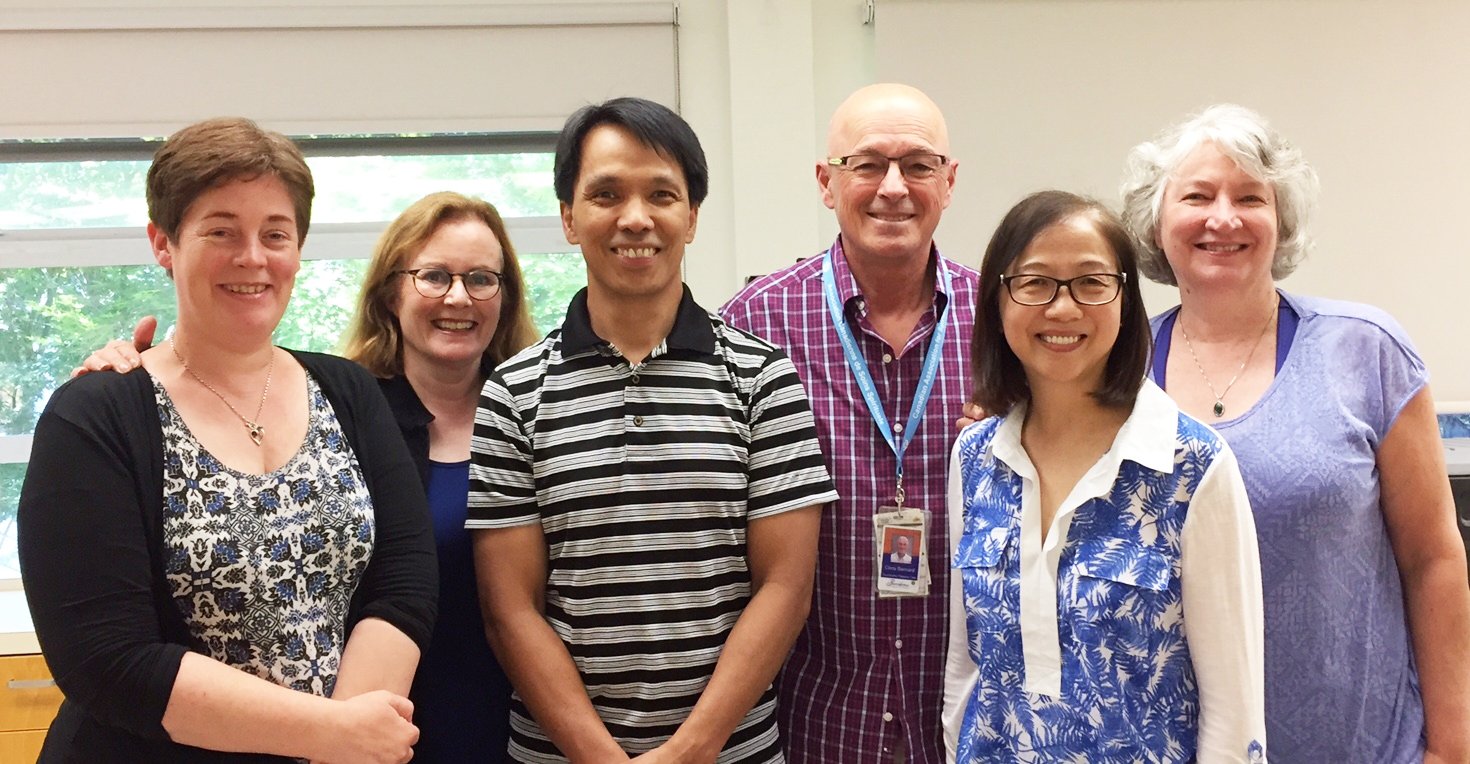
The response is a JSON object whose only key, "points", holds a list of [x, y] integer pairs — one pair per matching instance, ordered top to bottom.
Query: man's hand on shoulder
{"points": [[120, 355], [973, 414]]}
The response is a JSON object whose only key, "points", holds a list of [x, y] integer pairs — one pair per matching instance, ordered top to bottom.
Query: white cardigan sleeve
{"points": [[1220, 584]]}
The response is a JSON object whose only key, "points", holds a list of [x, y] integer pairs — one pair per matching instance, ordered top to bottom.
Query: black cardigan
{"points": [[413, 420], [91, 539]]}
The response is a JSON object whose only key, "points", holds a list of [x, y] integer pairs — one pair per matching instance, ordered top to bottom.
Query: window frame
{"points": [[128, 245]]}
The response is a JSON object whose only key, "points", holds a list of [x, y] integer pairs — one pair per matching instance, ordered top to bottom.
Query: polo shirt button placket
{"points": [[633, 379]]}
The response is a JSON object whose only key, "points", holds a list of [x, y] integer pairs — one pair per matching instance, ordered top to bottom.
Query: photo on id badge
{"points": [[900, 554]]}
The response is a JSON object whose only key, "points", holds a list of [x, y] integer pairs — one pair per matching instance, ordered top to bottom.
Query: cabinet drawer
{"points": [[28, 700], [21, 746]]}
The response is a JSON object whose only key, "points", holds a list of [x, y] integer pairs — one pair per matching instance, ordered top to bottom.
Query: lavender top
{"points": [[1340, 679]]}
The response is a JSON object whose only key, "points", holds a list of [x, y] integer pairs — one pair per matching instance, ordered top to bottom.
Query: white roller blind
{"points": [[311, 69]]}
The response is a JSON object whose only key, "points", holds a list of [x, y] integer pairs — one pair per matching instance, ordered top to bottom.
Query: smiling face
{"points": [[631, 215], [889, 218], [1217, 223], [235, 259], [452, 330], [1064, 342], [901, 545]]}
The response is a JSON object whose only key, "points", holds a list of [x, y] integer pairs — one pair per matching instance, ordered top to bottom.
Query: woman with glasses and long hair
{"points": [[442, 303], [1327, 405], [1106, 602]]}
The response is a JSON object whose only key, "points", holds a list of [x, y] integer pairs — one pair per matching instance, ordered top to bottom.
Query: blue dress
{"points": [[460, 694]]}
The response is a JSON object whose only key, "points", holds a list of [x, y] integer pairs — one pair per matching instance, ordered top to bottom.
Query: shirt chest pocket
{"points": [[1120, 593], [992, 599]]}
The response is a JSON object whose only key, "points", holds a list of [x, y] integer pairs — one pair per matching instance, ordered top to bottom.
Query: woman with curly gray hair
{"points": [[1326, 405]]}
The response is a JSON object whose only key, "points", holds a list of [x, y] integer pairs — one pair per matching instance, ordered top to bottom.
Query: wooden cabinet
{"points": [[28, 703], [21, 746]]}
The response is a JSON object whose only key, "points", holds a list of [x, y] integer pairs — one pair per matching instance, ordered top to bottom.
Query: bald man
{"points": [[881, 311]]}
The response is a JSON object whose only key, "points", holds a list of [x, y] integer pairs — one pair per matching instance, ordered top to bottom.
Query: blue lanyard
{"points": [[859, 366]]}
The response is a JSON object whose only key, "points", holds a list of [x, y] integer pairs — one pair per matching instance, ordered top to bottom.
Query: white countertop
{"points": [[1457, 456], [17, 636]]}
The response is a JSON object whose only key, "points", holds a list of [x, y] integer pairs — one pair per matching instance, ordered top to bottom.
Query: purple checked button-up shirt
{"points": [[866, 673]]}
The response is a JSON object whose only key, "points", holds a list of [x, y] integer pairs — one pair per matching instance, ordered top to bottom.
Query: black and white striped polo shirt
{"points": [[643, 479]]}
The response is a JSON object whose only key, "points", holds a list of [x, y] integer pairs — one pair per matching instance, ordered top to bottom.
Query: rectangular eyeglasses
{"points": [[1087, 289]]}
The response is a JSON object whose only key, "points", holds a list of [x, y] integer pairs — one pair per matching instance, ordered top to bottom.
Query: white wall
{"points": [[787, 64], [1043, 93], [1053, 93]]}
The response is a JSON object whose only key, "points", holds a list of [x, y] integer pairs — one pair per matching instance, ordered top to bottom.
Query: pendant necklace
{"points": [[1219, 407], [257, 430]]}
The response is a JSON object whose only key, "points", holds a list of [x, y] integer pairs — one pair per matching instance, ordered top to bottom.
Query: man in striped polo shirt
{"points": [[645, 485]]}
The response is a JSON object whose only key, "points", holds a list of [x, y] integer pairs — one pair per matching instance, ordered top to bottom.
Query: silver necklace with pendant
{"points": [[1219, 407], [256, 429]]}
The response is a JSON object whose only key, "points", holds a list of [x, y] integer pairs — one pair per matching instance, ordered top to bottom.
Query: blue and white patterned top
{"points": [[263, 567], [1077, 648], [1343, 687]]}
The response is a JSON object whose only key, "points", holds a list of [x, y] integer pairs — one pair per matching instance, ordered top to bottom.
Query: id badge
{"points": [[901, 552]]}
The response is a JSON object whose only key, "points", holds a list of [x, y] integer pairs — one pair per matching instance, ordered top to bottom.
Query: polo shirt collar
{"points": [[692, 330]]}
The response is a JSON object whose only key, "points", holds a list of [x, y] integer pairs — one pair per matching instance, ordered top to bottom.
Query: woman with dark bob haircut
{"points": [[1000, 382], [245, 571], [1106, 605]]}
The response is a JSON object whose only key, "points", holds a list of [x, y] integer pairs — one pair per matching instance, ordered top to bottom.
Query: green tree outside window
{"points": [[51, 317]]}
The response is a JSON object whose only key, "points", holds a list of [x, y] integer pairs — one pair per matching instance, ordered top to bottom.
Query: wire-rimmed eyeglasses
{"points": [[918, 166], [433, 283], [1087, 289]]}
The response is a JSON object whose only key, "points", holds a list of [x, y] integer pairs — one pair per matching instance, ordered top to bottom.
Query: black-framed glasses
{"points": [[919, 166], [434, 283], [1087, 289]]}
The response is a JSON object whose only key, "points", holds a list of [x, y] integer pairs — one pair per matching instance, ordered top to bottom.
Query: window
{"points": [[76, 271]]}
